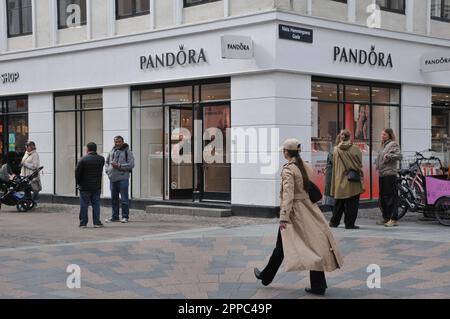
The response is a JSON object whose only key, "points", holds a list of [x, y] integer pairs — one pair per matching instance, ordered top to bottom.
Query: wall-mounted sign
{"points": [[289, 32], [237, 47], [363, 57], [171, 59], [435, 62], [9, 77]]}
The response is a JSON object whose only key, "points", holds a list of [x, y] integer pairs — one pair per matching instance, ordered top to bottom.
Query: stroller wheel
{"points": [[22, 206]]}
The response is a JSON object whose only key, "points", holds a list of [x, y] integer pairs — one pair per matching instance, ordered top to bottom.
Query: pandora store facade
{"points": [[184, 97]]}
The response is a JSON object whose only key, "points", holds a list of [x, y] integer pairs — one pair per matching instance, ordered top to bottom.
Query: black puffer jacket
{"points": [[89, 171]]}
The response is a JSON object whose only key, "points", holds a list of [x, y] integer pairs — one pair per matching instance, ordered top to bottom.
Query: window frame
{"points": [[187, 5], [389, 9], [133, 11], [441, 18], [61, 27], [21, 33]]}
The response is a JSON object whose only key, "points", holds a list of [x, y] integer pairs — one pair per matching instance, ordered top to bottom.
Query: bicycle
{"points": [[427, 194]]}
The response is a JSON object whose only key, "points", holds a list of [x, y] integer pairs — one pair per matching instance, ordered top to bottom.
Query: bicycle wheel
{"points": [[403, 198], [22, 206], [442, 211]]}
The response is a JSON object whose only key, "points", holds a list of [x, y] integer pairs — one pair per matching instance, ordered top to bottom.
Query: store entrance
{"points": [[199, 171]]}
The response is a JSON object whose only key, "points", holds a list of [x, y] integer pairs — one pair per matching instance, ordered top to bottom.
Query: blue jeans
{"points": [[120, 187], [92, 198]]}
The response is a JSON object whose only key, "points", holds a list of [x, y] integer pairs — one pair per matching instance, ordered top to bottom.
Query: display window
{"points": [[365, 109], [168, 121], [440, 124], [13, 130]]}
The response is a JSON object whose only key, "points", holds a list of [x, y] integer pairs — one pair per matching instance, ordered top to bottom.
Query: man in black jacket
{"points": [[88, 176]]}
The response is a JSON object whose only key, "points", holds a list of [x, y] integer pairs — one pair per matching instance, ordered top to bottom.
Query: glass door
{"points": [[180, 152], [216, 170]]}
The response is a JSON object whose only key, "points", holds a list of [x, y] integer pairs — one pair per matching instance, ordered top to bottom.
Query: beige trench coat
{"points": [[308, 243]]}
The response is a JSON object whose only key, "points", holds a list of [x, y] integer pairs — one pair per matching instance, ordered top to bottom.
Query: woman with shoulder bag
{"points": [[31, 162], [347, 181], [303, 235]]}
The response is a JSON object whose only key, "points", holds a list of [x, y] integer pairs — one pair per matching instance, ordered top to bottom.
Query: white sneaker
{"points": [[124, 220]]}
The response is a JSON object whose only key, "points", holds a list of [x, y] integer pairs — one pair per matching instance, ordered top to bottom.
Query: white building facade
{"points": [[161, 79]]}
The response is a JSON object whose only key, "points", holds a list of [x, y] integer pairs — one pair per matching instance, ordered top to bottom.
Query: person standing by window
{"points": [[347, 157], [30, 162], [119, 164], [387, 166], [88, 176]]}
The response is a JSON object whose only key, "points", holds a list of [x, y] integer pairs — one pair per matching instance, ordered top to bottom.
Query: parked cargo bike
{"points": [[425, 187]]}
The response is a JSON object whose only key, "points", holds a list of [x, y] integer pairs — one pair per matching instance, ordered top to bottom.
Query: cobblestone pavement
{"points": [[198, 257]]}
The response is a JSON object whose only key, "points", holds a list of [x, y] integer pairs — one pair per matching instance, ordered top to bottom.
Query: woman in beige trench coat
{"points": [[303, 236]]}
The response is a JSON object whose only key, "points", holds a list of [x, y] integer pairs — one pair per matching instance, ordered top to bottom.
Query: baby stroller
{"points": [[12, 192]]}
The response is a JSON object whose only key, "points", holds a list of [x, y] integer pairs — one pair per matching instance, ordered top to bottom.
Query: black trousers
{"points": [[388, 197], [349, 207], [317, 278]]}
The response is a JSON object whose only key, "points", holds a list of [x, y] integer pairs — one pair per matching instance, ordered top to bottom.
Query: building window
{"points": [[191, 3], [397, 6], [131, 8], [440, 10], [68, 11], [19, 17], [363, 108], [166, 119], [78, 121], [440, 124], [13, 130]]}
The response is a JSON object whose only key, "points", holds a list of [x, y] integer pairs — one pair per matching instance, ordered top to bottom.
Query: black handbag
{"points": [[352, 175], [314, 192]]}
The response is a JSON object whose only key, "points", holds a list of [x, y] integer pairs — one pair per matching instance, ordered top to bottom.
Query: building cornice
{"points": [[263, 17]]}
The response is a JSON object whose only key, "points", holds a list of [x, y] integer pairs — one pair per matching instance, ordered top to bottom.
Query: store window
{"points": [[190, 3], [131, 8], [67, 10], [440, 10], [19, 17], [363, 108], [78, 121], [169, 121], [440, 127], [13, 130]]}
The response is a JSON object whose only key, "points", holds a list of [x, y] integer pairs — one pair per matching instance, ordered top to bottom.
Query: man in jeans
{"points": [[119, 164], [88, 176]]}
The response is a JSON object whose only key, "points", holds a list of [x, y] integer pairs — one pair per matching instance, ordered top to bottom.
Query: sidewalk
{"points": [[197, 257]]}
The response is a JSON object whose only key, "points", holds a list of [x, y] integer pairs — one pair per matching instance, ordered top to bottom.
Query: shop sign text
{"points": [[237, 47], [363, 57], [170, 59], [435, 62], [9, 77]]}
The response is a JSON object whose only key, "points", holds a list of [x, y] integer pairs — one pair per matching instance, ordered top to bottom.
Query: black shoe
{"points": [[99, 225], [82, 226], [333, 226], [352, 227], [257, 273], [258, 276], [315, 292]]}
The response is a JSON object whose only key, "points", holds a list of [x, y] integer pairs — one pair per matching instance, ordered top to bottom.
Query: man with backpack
{"points": [[119, 164]]}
